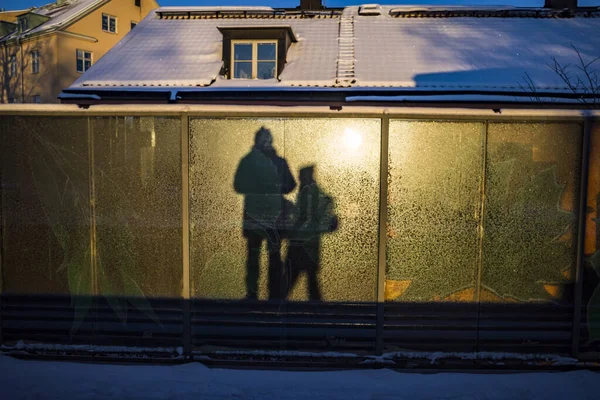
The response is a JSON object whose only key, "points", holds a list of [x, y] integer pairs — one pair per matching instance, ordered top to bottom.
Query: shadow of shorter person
{"points": [[315, 211]]}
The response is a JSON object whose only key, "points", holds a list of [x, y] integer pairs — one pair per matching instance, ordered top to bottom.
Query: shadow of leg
{"points": [[253, 242]]}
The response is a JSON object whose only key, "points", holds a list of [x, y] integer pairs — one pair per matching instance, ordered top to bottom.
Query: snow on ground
{"points": [[26, 379]]}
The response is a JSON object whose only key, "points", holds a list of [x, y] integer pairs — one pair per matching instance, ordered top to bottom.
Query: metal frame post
{"points": [[3, 139], [583, 193], [481, 228], [185, 234], [382, 255]]}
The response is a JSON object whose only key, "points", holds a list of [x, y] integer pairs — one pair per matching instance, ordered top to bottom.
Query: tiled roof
{"points": [[428, 48]]}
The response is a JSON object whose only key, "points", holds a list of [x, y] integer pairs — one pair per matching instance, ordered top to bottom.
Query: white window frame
{"points": [[109, 18], [133, 24], [83, 59], [254, 60], [35, 61]]}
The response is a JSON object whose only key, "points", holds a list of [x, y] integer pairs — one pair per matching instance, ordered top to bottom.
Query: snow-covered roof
{"points": [[60, 15], [406, 47]]}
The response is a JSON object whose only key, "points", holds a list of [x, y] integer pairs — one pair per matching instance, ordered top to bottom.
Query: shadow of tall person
{"points": [[263, 178], [315, 217]]}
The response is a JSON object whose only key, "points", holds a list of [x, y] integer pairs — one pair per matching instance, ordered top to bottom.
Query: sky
{"points": [[22, 4]]}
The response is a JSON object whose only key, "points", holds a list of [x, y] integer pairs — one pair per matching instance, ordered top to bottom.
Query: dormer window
{"points": [[23, 24], [255, 52], [254, 59]]}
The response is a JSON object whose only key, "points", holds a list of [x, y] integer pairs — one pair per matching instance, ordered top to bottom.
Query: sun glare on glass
{"points": [[352, 139]]}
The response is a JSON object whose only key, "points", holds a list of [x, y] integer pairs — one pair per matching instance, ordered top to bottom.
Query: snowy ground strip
{"points": [[385, 359], [27, 379]]}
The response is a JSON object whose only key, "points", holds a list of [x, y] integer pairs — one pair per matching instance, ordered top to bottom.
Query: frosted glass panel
{"points": [[345, 156], [532, 177], [137, 182], [45, 205], [433, 210], [315, 220], [591, 272]]}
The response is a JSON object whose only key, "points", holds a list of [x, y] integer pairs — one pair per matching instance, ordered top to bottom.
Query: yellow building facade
{"points": [[44, 50]]}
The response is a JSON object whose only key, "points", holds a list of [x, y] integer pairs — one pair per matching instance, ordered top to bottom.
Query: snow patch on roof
{"points": [[213, 8], [185, 52], [469, 52], [436, 54]]}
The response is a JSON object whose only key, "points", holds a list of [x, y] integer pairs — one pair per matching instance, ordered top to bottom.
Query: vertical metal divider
{"points": [[582, 207], [185, 215], [481, 228], [2, 232], [93, 237], [382, 254]]}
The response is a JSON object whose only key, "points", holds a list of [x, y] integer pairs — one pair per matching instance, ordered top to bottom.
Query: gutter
{"points": [[339, 97], [525, 98]]}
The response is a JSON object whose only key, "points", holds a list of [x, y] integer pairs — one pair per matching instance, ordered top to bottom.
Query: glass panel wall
{"points": [[137, 186], [532, 186], [434, 200], [45, 205], [284, 208], [288, 209], [590, 332]]}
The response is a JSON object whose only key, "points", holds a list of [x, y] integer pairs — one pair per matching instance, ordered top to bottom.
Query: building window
{"points": [[138, 3], [109, 23], [23, 24], [133, 24], [255, 53], [254, 59], [84, 60], [35, 62], [12, 65], [37, 99]]}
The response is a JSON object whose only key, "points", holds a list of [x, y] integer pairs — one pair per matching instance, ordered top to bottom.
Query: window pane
{"points": [[105, 22], [113, 24], [242, 51], [266, 51], [79, 54], [88, 64], [79, 65], [242, 70], [266, 70], [338, 166], [137, 182], [45, 205], [433, 211], [530, 220], [591, 272]]}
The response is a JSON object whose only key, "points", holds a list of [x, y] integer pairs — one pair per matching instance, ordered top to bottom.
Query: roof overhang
{"points": [[256, 31], [333, 97]]}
